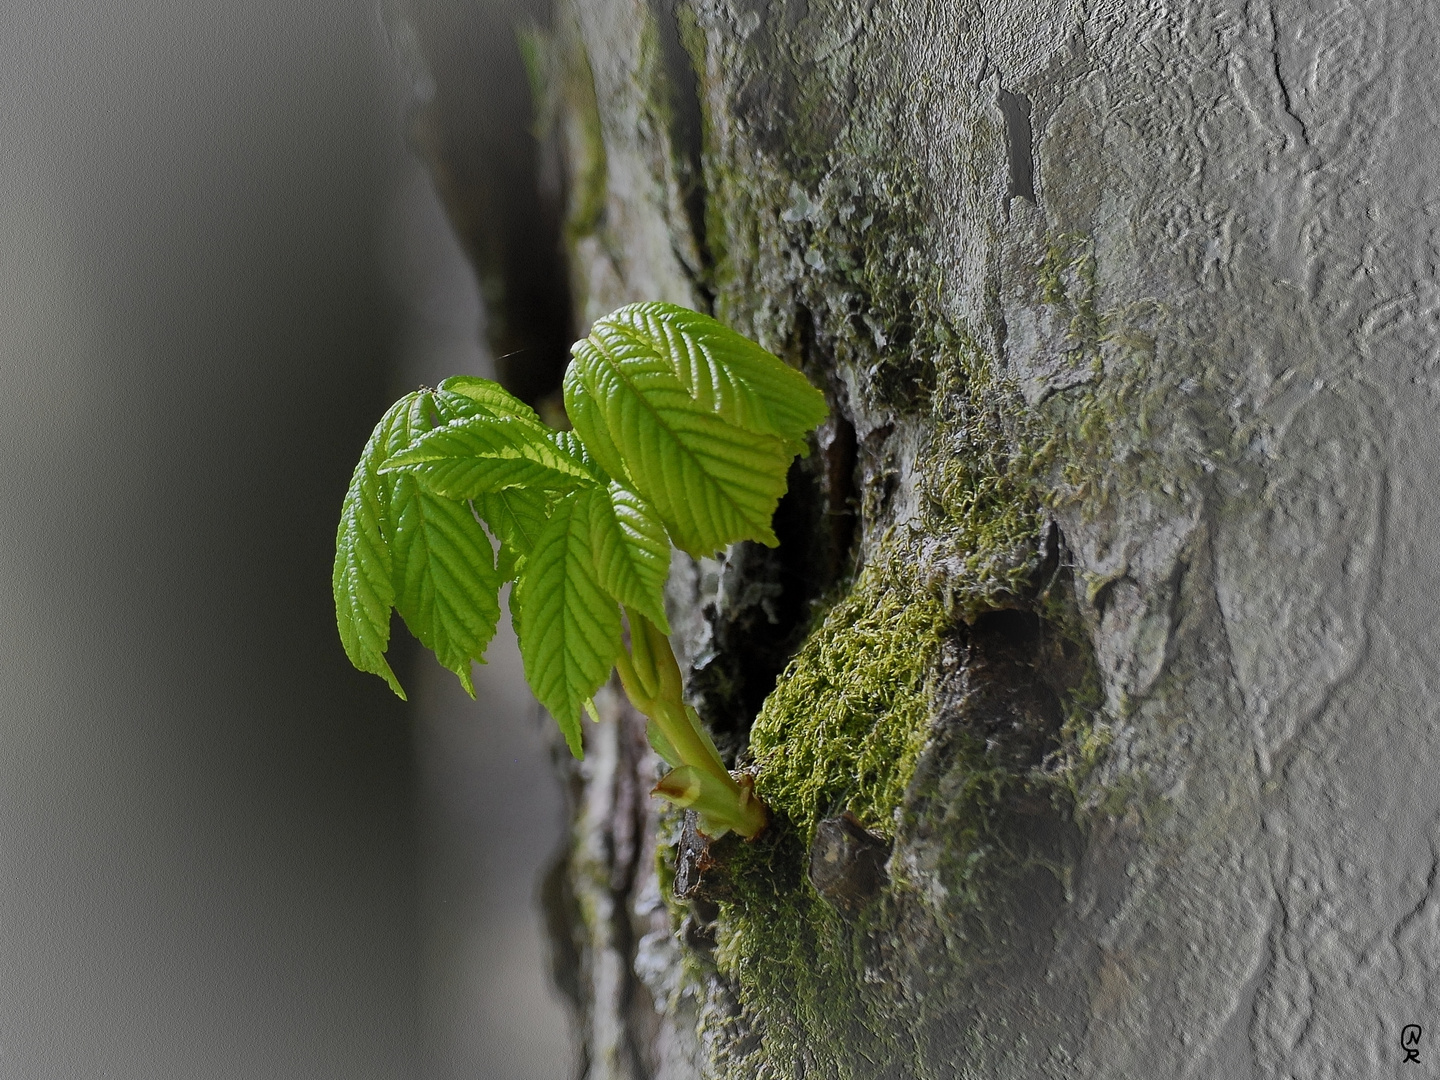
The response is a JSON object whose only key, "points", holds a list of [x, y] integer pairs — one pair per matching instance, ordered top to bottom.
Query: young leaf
{"points": [[721, 370], [489, 396], [694, 417], [588, 421], [571, 444], [482, 454], [710, 482], [515, 516], [400, 546], [632, 552], [445, 579], [361, 580], [569, 628]]}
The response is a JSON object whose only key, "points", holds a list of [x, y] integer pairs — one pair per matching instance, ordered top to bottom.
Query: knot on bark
{"points": [[847, 863]]}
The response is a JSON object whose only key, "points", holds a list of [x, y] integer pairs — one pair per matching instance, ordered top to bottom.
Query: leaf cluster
{"points": [[683, 434]]}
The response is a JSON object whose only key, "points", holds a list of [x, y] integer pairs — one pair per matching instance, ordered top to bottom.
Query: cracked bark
{"points": [[1197, 248]]}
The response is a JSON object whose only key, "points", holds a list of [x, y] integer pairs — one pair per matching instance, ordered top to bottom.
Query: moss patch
{"points": [[1143, 425], [982, 482], [844, 726], [844, 730], [800, 968], [817, 987]]}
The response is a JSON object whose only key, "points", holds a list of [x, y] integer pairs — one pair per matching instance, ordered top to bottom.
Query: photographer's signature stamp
{"points": [[1410, 1043]]}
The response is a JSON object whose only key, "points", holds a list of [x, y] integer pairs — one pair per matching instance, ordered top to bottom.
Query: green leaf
{"points": [[722, 371], [489, 396], [588, 420], [698, 420], [697, 427], [570, 442], [481, 454], [711, 483], [515, 516], [401, 546], [631, 549], [445, 578], [363, 590], [569, 628]]}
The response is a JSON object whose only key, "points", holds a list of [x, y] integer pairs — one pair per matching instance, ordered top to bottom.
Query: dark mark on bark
{"points": [[1285, 98], [1019, 145], [838, 455]]}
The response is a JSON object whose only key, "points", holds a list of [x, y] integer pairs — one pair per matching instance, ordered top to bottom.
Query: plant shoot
{"points": [[683, 433]]}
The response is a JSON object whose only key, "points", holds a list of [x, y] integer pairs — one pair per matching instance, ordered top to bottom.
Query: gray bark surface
{"points": [[1195, 247]]}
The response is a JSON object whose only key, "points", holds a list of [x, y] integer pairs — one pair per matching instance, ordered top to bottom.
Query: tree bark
{"points": [[1105, 593]]}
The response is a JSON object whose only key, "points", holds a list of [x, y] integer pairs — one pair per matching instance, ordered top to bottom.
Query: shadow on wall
{"points": [[210, 852]]}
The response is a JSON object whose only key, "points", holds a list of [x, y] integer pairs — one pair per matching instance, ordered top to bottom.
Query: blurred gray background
{"points": [[224, 853]]}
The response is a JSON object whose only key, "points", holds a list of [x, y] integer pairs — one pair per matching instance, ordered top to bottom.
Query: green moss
{"points": [[829, 228], [1067, 280], [1140, 425], [982, 479], [845, 724], [844, 730], [1085, 736], [1131, 797], [801, 974], [817, 987]]}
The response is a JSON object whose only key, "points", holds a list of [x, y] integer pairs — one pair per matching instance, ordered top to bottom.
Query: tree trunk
{"points": [[1089, 682]]}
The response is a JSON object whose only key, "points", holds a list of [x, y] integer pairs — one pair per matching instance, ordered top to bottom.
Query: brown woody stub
{"points": [[847, 863], [700, 873]]}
